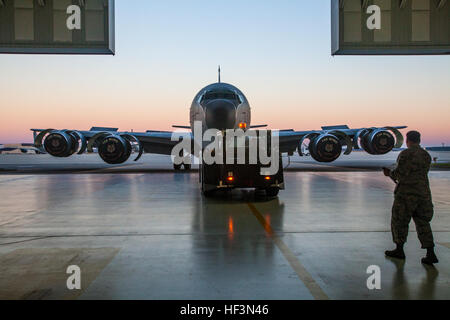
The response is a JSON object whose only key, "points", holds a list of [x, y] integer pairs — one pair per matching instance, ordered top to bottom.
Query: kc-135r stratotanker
{"points": [[221, 106]]}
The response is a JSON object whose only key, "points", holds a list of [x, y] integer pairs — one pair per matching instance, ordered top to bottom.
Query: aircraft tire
{"points": [[272, 192], [209, 194]]}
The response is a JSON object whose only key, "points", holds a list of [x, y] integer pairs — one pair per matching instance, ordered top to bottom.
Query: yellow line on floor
{"points": [[445, 244], [315, 290]]}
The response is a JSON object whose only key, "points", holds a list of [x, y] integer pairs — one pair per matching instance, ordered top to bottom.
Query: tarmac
{"points": [[142, 231]]}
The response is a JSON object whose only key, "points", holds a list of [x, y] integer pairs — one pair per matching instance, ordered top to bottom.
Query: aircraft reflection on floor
{"points": [[229, 222], [186, 246]]}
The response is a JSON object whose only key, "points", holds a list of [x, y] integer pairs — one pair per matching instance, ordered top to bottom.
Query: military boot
{"points": [[398, 253], [431, 258]]}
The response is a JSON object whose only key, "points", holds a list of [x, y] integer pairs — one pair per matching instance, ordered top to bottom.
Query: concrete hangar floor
{"points": [[151, 235]]}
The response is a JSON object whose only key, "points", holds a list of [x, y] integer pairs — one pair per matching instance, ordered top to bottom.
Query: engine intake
{"points": [[376, 141], [61, 144], [325, 147], [114, 149]]}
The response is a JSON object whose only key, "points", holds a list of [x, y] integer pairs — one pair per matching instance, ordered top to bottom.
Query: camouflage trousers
{"points": [[420, 210]]}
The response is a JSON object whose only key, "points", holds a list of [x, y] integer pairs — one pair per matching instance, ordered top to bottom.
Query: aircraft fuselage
{"points": [[220, 106]]}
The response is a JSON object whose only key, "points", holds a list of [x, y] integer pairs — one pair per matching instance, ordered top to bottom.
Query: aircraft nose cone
{"points": [[220, 114]]}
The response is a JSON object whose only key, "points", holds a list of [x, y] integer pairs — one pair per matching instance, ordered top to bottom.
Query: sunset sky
{"points": [[276, 52]]}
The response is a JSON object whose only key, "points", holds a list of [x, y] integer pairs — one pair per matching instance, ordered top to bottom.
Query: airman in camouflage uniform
{"points": [[412, 199]]}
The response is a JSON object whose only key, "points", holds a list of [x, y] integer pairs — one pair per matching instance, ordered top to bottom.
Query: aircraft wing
{"points": [[160, 142], [64, 143], [327, 144], [114, 147], [17, 148]]}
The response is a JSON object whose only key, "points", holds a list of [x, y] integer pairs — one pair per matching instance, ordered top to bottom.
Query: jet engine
{"points": [[378, 141], [62, 143], [326, 147], [115, 148]]}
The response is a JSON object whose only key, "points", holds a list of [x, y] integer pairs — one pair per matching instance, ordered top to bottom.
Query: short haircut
{"points": [[413, 136]]}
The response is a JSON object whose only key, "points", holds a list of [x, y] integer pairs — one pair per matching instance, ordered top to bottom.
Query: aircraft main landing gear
{"points": [[179, 167], [272, 192]]}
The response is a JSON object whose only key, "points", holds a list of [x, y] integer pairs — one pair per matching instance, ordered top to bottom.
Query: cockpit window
{"points": [[230, 95]]}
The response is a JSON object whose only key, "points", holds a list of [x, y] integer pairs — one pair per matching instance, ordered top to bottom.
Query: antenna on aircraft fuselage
{"points": [[219, 73]]}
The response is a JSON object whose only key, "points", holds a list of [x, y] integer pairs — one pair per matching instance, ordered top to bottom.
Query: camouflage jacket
{"points": [[413, 165]]}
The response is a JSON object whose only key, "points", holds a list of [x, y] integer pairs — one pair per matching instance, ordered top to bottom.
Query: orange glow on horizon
{"points": [[138, 110]]}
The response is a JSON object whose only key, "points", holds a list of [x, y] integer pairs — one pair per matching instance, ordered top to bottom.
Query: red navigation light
{"points": [[242, 126], [268, 178], [230, 179]]}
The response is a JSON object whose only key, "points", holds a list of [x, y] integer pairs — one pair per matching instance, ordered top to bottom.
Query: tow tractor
{"points": [[226, 176]]}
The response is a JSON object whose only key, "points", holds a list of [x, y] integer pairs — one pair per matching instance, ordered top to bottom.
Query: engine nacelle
{"points": [[377, 141], [62, 144], [325, 148], [114, 149]]}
